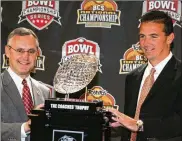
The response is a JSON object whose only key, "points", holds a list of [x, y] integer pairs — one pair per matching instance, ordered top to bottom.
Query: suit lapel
{"points": [[166, 75], [13, 93], [37, 94]]}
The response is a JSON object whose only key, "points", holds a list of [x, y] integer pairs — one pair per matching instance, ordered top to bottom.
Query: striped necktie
{"points": [[147, 85], [26, 97]]}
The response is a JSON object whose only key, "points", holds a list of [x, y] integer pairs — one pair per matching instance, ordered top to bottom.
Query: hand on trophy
{"points": [[40, 106], [123, 120]]}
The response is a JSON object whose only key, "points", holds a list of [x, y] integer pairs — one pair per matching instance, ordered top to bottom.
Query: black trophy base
{"points": [[70, 121]]}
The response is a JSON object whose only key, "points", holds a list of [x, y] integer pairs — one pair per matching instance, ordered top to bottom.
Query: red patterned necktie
{"points": [[144, 92], [26, 97]]}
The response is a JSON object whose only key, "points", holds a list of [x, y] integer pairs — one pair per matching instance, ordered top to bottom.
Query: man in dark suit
{"points": [[22, 50], [160, 114]]}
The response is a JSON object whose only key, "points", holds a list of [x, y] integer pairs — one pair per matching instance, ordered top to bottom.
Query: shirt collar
{"points": [[159, 67], [17, 79]]}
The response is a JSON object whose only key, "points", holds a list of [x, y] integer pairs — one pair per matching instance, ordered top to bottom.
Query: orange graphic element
{"points": [[109, 5], [133, 54], [98, 93]]}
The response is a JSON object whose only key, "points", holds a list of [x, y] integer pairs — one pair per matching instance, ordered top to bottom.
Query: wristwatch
{"points": [[139, 124]]}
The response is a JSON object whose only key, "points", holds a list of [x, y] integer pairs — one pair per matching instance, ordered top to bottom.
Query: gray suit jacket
{"points": [[12, 109]]}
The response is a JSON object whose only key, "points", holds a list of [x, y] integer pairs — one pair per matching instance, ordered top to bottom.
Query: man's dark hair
{"points": [[159, 17], [22, 31]]}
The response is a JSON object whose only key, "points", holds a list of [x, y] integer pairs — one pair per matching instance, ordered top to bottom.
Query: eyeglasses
{"points": [[22, 51]]}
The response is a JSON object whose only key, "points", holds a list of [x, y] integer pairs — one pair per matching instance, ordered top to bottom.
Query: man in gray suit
{"points": [[22, 50]]}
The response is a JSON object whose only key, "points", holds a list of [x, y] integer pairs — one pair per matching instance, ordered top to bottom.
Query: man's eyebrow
{"points": [[140, 34], [154, 34], [18, 47]]}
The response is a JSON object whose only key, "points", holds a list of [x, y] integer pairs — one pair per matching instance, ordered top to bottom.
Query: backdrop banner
{"points": [[106, 29]]}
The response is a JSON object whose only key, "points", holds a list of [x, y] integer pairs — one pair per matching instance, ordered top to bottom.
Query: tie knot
{"points": [[152, 71], [24, 82]]}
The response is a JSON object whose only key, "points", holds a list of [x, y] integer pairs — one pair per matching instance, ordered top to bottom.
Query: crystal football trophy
{"points": [[74, 73], [55, 122]]}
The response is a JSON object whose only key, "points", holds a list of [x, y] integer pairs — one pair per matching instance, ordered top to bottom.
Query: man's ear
{"points": [[170, 38], [7, 51], [38, 51]]}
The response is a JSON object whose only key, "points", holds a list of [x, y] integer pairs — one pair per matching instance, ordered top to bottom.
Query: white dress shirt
{"points": [[18, 82]]}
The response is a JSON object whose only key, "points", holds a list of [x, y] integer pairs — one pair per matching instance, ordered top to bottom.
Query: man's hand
{"points": [[39, 106], [124, 120], [115, 124], [27, 126]]}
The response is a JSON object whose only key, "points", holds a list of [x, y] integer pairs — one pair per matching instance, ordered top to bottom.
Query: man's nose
{"points": [[146, 41], [25, 54]]}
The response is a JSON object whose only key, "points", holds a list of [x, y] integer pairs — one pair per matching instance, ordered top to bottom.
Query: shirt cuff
{"points": [[23, 134]]}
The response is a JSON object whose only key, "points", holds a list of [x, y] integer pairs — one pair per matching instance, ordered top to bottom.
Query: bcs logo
{"points": [[173, 8], [40, 13], [98, 13], [132, 58], [98, 93]]}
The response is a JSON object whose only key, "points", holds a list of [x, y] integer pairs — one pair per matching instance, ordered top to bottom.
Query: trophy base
{"points": [[70, 120]]}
